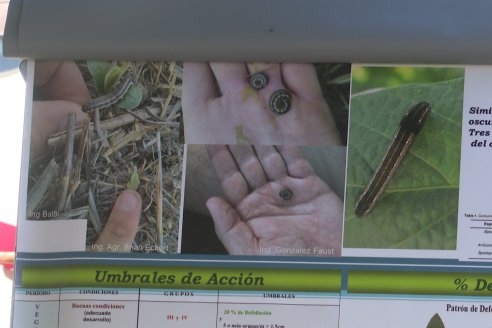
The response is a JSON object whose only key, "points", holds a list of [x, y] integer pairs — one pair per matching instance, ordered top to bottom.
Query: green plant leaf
{"points": [[99, 70], [112, 78], [342, 79], [132, 98], [134, 181], [419, 208], [436, 322]]}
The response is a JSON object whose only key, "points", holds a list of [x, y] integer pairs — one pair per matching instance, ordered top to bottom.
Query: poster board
{"points": [[262, 193]]}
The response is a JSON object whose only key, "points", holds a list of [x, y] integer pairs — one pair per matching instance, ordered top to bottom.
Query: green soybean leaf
{"points": [[99, 70], [112, 78], [132, 98], [134, 181], [419, 208], [436, 322]]}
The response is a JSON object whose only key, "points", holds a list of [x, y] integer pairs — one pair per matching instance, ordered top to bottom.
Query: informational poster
{"points": [[255, 195]]}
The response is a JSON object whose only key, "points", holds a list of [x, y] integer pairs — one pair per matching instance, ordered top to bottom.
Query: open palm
{"points": [[220, 106], [257, 218]]}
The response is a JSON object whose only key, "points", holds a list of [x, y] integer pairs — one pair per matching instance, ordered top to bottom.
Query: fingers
{"points": [[263, 67], [44, 70], [273, 72], [230, 77], [200, 78], [302, 80], [61, 81], [203, 82], [198, 84], [49, 117], [272, 162], [269, 163], [249, 165], [297, 165], [241, 169], [231, 179], [122, 225], [234, 233], [7, 258], [9, 273]]}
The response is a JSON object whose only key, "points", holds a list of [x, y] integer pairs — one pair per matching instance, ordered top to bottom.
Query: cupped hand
{"points": [[220, 106], [258, 218]]}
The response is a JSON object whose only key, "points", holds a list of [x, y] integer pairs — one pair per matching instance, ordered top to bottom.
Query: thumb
{"points": [[122, 225], [234, 233], [7, 260], [9, 272]]}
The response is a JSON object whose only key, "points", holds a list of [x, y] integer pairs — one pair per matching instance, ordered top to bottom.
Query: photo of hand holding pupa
{"points": [[258, 103], [273, 202]]}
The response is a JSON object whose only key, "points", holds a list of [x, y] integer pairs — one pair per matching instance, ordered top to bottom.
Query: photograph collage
{"points": [[264, 159]]}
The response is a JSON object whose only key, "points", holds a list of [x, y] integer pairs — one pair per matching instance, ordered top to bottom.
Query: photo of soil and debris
{"points": [[101, 129]]}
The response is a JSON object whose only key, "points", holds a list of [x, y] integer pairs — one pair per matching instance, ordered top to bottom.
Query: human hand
{"points": [[64, 91], [220, 106], [256, 220], [122, 224], [119, 231], [7, 259]]}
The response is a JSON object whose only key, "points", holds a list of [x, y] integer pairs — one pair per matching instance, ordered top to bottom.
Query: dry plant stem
{"points": [[159, 72], [170, 95], [175, 111], [155, 117], [157, 121], [110, 124], [99, 130], [121, 141], [132, 142], [84, 148], [88, 151], [67, 167], [44, 182], [75, 182], [158, 187], [93, 215]]}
